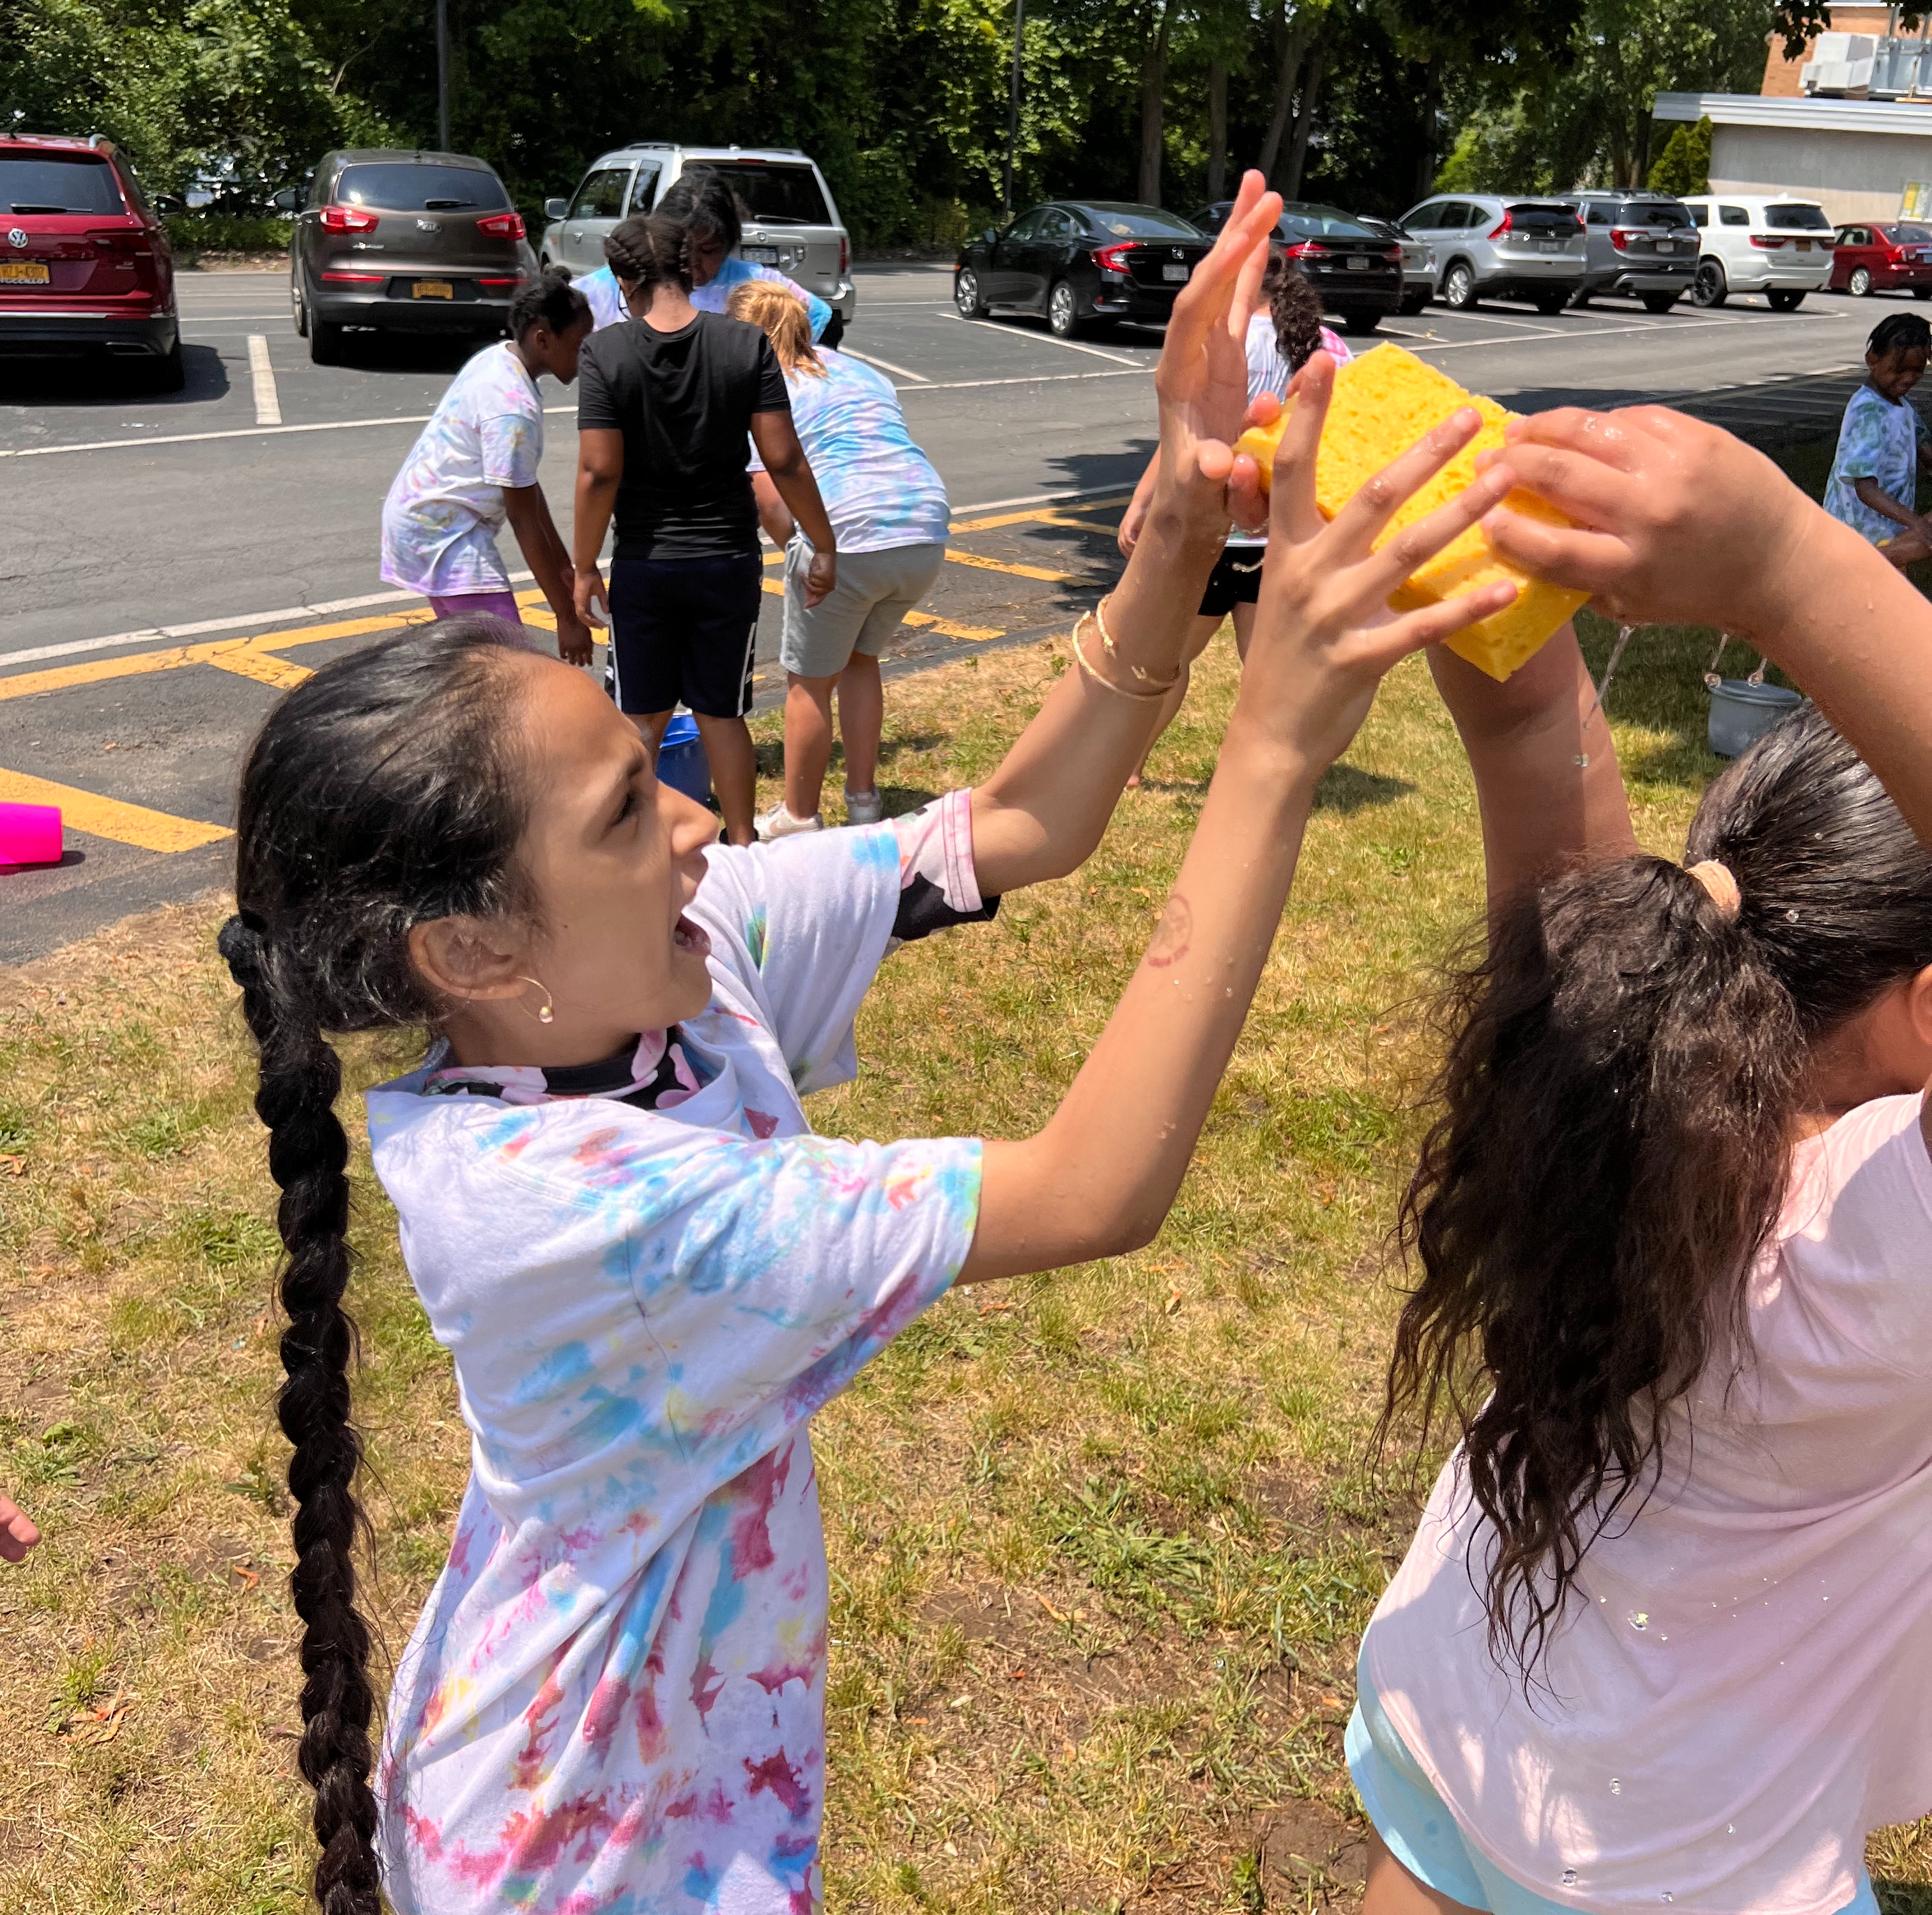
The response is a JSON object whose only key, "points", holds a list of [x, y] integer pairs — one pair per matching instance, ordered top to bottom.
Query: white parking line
{"points": [[1577, 332], [1047, 338], [884, 365], [1033, 379], [268, 405]]}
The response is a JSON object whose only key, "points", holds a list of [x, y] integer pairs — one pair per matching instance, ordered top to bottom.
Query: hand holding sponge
{"points": [[1383, 403]]}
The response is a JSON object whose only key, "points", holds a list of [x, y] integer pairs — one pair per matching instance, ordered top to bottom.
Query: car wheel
{"points": [[1859, 285], [1459, 288], [1708, 288], [1921, 293], [966, 294], [1581, 297], [1659, 302], [1785, 302], [1413, 303], [297, 308], [1062, 311], [1362, 321], [325, 342], [169, 374]]}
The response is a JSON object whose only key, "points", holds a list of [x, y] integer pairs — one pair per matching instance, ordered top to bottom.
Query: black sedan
{"points": [[1083, 263], [1356, 269]]}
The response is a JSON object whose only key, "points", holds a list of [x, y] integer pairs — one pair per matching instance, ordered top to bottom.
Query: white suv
{"points": [[790, 221], [1778, 247]]}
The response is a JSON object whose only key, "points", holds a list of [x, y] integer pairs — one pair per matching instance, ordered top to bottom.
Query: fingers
{"points": [[1212, 288], [1614, 439], [1247, 499], [1294, 510], [1364, 516], [1416, 545], [1584, 561], [1416, 631], [18, 1534]]}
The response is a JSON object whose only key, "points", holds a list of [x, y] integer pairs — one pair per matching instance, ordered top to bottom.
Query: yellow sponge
{"points": [[1383, 403]]}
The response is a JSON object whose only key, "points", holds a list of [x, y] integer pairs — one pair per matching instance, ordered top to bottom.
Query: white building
{"points": [[1859, 159]]}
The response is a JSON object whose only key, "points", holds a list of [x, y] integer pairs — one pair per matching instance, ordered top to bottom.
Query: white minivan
{"points": [[1779, 247]]}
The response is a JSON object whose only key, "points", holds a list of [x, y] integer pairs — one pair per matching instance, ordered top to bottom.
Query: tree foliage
{"points": [[1685, 164]]}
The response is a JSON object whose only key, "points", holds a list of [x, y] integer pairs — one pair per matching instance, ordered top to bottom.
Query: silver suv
{"points": [[790, 221], [1642, 244], [1489, 247]]}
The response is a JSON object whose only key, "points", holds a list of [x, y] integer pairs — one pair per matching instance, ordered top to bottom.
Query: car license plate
{"points": [[1549, 245], [1667, 245], [1803, 245], [759, 255], [1356, 263], [25, 272], [1177, 275], [432, 289]]}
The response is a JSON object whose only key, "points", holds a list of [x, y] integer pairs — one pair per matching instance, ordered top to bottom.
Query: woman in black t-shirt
{"points": [[664, 402]]}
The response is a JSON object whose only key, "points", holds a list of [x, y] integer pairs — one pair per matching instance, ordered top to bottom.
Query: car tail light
{"points": [[347, 219], [501, 226], [1497, 232], [1621, 237], [125, 239], [1769, 244], [1302, 249], [844, 255], [1393, 256], [1113, 259], [355, 278], [499, 282]]}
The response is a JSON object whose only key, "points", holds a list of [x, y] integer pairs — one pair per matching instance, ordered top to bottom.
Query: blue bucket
{"points": [[682, 763]]}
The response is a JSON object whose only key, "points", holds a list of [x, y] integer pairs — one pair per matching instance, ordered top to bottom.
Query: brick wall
{"points": [[1780, 75]]}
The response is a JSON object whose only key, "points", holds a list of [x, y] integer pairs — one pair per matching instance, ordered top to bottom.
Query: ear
{"points": [[473, 959], [1919, 1005]]}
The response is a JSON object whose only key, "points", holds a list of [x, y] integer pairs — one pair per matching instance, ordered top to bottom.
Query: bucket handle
{"points": [[1711, 677]]}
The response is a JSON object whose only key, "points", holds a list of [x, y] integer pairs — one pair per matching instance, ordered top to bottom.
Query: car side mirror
{"points": [[283, 202], [557, 209], [990, 236]]}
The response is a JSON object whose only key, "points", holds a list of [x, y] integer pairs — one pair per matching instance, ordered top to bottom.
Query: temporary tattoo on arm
{"points": [[1171, 935]]}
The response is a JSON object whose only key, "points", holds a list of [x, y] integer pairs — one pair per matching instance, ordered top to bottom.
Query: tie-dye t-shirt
{"points": [[607, 296], [446, 507], [614, 1699]]}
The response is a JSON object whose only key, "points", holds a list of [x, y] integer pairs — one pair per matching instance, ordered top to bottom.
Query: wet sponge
{"points": [[1383, 403]]}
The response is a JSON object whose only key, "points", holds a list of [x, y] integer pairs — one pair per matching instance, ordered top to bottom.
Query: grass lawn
{"points": [[1101, 1542]]}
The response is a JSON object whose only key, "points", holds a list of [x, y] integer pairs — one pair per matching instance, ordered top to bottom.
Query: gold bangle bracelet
{"points": [[1114, 658], [1107, 684]]}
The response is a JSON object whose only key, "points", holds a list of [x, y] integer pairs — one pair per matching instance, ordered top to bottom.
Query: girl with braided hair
{"points": [[649, 1273], [1663, 1639]]}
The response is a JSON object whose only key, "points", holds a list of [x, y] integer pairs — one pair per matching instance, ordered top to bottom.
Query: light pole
{"points": [[442, 73], [1013, 103]]}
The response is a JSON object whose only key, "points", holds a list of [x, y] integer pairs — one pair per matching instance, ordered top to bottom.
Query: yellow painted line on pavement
{"points": [[1038, 515], [1016, 571], [946, 629], [264, 668], [108, 818]]}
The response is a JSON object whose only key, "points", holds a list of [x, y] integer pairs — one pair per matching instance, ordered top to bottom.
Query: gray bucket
{"points": [[1742, 712]]}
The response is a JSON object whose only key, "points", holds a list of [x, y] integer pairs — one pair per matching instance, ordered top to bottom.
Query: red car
{"points": [[1874, 258], [85, 267]]}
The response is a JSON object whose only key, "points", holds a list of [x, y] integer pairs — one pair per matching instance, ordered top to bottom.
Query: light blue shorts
{"points": [[1421, 1833]]}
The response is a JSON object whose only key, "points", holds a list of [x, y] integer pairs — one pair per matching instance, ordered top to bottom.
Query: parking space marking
{"points": [[1049, 339], [884, 365], [1024, 379], [268, 405], [232, 432], [1052, 516], [1016, 571], [945, 627], [108, 818]]}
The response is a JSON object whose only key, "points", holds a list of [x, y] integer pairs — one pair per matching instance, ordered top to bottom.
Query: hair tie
{"points": [[1716, 879]]}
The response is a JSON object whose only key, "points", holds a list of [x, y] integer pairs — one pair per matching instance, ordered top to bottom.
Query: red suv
{"points": [[1896, 253], [85, 267]]}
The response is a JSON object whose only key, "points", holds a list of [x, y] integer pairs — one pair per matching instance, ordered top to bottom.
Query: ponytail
{"points": [[648, 250], [382, 792], [1623, 1068], [308, 1155]]}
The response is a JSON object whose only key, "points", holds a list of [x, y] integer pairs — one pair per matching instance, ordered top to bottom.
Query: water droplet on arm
{"points": [[1639, 1619], [1616, 1785], [1569, 1878]]}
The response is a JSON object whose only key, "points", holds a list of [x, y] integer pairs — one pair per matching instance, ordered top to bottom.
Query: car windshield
{"points": [[40, 183], [398, 186], [775, 193], [1655, 212], [1537, 216], [1796, 219], [1130, 222], [1323, 222], [1909, 236]]}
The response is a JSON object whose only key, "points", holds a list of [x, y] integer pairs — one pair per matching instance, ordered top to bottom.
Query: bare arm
{"points": [[600, 471], [790, 472], [1871, 493], [1135, 517], [778, 522], [537, 539], [1540, 808], [1098, 1179]]}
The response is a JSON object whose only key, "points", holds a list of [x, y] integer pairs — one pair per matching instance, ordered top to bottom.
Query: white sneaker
{"points": [[864, 807], [779, 823]]}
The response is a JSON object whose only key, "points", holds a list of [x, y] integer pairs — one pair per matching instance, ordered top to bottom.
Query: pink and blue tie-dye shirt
{"points": [[446, 506], [614, 1700]]}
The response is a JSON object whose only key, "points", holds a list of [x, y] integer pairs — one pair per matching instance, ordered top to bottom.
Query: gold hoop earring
{"points": [[548, 1013]]}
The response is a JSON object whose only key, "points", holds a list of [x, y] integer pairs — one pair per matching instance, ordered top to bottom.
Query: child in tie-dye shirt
{"points": [[647, 1270]]}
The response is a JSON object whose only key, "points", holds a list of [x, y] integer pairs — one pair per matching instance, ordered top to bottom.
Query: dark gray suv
{"points": [[404, 243], [1641, 244]]}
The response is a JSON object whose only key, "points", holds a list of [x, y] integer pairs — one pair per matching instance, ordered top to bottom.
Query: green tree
{"points": [[1685, 164]]}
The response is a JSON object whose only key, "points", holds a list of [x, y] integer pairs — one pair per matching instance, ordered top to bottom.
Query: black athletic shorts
{"points": [[1235, 580], [683, 629]]}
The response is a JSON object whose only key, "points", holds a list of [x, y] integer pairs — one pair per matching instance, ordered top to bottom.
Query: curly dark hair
{"points": [[704, 201], [549, 300], [1296, 309], [1900, 332], [380, 794], [1623, 1068]]}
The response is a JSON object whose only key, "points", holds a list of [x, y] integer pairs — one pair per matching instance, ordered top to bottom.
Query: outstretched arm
{"points": [[537, 538], [1041, 814]]}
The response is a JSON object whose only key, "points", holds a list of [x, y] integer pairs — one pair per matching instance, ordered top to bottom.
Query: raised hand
{"points": [[17, 1532]]}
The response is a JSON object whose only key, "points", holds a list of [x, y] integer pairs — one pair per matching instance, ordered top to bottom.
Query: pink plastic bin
{"points": [[30, 834]]}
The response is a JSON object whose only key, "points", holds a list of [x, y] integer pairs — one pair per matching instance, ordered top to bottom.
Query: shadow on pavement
{"points": [[97, 380]]}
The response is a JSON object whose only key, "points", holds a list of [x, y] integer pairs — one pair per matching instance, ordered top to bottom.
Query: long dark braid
{"points": [[381, 794]]}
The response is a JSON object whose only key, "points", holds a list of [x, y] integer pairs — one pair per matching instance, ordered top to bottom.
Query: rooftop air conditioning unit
{"points": [[1833, 46], [1837, 75]]}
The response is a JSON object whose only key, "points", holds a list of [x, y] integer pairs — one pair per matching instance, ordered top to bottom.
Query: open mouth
{"points": [[689, 937]]}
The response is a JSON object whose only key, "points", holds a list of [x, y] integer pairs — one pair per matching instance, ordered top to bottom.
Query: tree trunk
{"points": [[1292, 40], [1153, 89], [1432, 93], [1304, 124], [1217, 129]]}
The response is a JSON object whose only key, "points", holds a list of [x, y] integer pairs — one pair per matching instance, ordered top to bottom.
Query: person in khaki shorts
{"points": [[888, 510]]}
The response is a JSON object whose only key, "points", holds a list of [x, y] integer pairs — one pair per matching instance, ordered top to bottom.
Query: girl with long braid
{"points": [[648, 1272]]}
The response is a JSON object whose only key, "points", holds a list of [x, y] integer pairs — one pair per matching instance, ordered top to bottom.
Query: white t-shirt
{"points": [[1269, 372], [446, 506], [1741, 1686], [615, 1696]]}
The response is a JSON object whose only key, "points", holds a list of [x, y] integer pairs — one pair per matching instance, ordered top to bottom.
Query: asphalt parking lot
{"points": [[170, 564]]}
